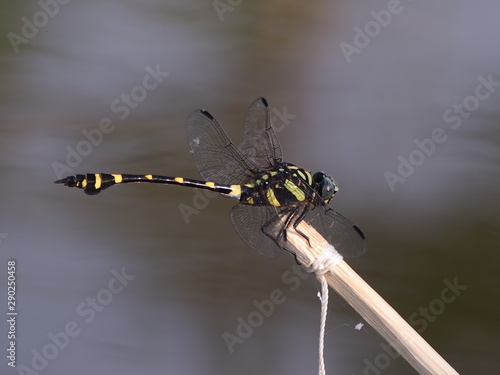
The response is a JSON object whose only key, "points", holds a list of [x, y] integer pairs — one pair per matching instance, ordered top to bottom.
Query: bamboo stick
{"points": [[370, 305]]}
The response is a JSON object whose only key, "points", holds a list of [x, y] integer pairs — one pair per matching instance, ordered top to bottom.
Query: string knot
{"points": [[328, 258]]}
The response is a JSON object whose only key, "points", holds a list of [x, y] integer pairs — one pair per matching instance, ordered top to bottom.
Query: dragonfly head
{"points": [[324, 185]]}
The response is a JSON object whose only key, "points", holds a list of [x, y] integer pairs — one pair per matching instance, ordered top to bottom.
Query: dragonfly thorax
{"points": [[284, 185]]}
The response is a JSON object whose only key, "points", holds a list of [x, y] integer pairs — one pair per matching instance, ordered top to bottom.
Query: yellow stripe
{"points": [[302, 175], [149, 176], [118, 178], [179, 179], [98, 181], [83, 183], [210, 184], [295, 190], [235, 192], [271, 198]]}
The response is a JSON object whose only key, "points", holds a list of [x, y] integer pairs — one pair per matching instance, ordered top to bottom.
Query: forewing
{"points": [[260, 142], [216, 157], [256, 225], [340, 232]]}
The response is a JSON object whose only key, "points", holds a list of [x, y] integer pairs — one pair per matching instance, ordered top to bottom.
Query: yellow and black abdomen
{"points": [[94, 183]]}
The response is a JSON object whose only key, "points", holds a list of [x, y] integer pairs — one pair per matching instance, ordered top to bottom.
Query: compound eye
{"points": [[318, 177], [324, 185]]}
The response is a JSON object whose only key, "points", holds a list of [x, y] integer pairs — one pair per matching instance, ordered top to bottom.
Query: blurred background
{"points": [[399, 101]]}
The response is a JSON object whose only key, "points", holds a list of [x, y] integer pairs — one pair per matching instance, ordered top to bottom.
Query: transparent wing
{"points": [[260, 142], [216, 157], [248, 222], [340, 232]]}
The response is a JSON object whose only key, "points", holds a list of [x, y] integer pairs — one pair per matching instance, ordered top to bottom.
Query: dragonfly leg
{"points": [[292, 216], [298, 221], [269, 228], [282, 232]]}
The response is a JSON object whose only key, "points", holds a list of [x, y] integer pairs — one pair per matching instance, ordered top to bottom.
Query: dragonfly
{"points": [[274, 196]]}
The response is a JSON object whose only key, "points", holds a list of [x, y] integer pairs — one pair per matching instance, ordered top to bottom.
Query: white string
{"points": [[321, 265], [324, 312]]}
